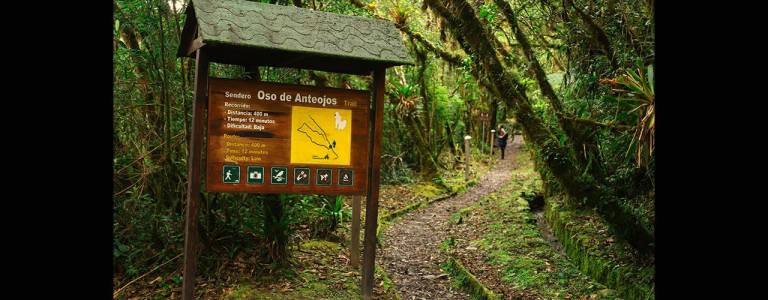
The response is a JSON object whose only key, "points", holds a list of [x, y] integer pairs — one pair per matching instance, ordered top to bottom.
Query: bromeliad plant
{"points": [[638, 88], [403, 95], [324, 213], [332, 213]]}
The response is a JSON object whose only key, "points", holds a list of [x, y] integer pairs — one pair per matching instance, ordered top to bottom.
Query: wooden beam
{"points": [[188, 33], [195, 45], [467, 158], [193, 179], [372, 204], [354, 245]]}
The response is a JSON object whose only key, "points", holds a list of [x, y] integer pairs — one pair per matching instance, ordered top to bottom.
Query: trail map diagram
{"points": [[321, 135], [317, 136]]}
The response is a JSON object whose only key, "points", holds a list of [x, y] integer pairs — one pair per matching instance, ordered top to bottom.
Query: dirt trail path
{"points": [[410, 253]]}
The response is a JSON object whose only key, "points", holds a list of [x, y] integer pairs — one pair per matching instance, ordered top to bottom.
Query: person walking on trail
{"points": [[503, 135]]}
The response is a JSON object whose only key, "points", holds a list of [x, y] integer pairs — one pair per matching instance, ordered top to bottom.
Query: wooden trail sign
{"points": [[279, 138], [263, 146]]}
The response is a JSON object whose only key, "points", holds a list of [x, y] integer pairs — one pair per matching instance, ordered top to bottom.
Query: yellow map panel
{"points": [[321, 135]]}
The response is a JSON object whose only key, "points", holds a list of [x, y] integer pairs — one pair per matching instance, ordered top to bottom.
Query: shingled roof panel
{"points": [[292, 29]]}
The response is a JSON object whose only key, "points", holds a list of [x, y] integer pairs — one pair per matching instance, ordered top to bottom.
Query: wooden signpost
{"points": [[278, 138]]}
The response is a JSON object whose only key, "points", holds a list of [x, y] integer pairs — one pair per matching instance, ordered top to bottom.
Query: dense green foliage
{"points": [[597, 56]]}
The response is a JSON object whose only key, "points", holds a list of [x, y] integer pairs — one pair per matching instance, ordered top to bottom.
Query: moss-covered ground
{"points": [[498, 242]]}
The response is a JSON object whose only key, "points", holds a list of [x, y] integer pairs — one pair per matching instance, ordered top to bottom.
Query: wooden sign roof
{"points": [[253, 33]]}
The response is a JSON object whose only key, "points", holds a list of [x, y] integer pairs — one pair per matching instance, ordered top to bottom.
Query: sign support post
{"points": [[493, 135], [480, 145], [467, 155], [193, 186], [372, 204], [354, 245]]}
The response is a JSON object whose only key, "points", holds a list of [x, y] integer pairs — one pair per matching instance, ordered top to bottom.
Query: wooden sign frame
{"points": [[191, 250]]}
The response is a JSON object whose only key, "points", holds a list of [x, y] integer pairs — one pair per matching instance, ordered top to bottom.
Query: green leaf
{"points": [[650, 78]]}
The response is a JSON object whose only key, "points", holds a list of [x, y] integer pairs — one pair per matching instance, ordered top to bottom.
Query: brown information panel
{"points": [[278, 138]]}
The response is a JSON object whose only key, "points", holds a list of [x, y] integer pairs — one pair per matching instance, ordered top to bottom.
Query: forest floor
{"points": [[494, 242], [410, 252], [513, 254], [319, 267], [320, 271]]}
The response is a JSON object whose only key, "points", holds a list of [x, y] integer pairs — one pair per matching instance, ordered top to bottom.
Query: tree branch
{"points": [[597, 32], [451, 58], [611, 125]]}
